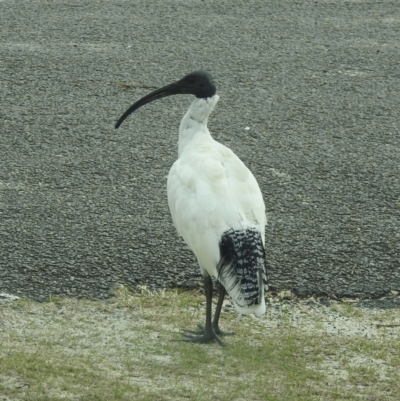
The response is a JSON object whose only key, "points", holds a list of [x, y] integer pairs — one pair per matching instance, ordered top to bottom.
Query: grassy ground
{"points": [[128, 348]]}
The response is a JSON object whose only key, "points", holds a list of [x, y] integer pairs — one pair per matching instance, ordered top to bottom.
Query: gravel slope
{"points": [[84, 206]]}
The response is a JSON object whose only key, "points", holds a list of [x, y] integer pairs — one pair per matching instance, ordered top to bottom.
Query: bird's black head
{"points": [[198, 83]]}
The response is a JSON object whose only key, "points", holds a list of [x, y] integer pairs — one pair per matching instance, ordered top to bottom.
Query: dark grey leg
{"points": [[222, 293], [221, 297], [214, 324], [208, 334]]}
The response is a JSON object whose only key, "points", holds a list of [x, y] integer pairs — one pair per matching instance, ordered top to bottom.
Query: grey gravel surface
{"points": [[317, 83]]}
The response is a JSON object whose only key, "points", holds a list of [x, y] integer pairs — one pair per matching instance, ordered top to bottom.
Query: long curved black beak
{"points": [[198, 83], [172, 89]]}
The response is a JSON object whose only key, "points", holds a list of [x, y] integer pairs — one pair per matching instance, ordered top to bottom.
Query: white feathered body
{"points": [[211, 191]]}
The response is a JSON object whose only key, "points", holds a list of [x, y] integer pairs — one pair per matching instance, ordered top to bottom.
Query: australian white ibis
{"points": [[216, 206]]}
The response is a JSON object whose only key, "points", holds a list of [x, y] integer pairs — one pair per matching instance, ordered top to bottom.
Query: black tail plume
{"points": [[242, 263]]}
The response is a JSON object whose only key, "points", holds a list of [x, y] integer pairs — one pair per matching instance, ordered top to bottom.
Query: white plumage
{"points": [[211, 191], [216, 206]]}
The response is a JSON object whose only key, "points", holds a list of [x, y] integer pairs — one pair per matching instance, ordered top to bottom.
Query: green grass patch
{"points": [[130, 348]]}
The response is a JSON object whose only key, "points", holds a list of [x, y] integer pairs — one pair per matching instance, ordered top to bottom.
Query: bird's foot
{"points": [[216, 329], [202, 337]]}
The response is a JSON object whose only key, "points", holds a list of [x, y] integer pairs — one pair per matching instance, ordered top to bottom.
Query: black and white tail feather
{"points": [[241, 268]]}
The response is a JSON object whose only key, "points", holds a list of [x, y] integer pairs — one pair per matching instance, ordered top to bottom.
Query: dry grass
{"points": [[129, 348]]}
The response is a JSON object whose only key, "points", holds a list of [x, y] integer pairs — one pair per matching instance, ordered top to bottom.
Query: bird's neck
{"points": [[194, 123]]}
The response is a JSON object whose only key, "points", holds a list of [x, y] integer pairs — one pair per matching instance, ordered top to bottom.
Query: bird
{"points": [[216, 206]]}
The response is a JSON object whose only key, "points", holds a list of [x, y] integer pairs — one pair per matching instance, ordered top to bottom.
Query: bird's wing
{"points": [[210, 191]]}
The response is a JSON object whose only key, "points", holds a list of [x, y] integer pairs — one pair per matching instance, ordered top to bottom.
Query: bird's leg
{"points": [[222, 293], [215, 321], [215, 325], [208, 334]]}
